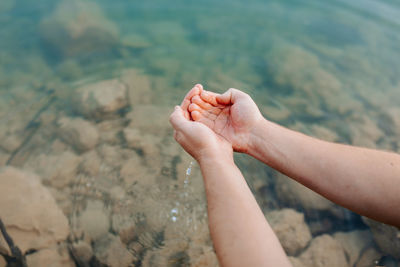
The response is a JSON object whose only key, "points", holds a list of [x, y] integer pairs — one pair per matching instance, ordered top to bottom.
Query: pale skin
{"points": [[211, 126]]}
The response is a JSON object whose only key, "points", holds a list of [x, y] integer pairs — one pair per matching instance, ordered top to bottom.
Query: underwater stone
{"points": [[78, 27], [139, 87], [101, 100], [79, 133], [29, 212], [94, 220], [290, 228], [386, 237], [354, 243], [109, 250], [324, 251], [82, 252], [54, 257], [368, 258], [3, 262], [296, 262]]}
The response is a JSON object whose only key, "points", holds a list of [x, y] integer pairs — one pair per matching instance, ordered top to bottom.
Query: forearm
{"points": [[363, 180], [240, 233]]}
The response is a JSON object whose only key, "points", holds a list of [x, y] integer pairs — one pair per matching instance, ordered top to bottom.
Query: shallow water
{"points": [[331, 70]]}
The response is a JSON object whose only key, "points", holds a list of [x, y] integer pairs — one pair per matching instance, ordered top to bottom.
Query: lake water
{"points": [[329, 69]]}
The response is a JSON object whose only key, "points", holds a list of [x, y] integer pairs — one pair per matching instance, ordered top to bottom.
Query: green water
{"points": [[329, 69]]}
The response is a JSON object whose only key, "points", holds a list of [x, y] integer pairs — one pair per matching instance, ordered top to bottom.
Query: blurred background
{"points": [[91, 175]]}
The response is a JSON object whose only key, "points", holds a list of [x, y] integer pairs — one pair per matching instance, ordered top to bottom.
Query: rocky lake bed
{"points": [[90, 174]]}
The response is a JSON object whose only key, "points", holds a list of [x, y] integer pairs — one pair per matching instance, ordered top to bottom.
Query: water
{"points": [[328, 69]]}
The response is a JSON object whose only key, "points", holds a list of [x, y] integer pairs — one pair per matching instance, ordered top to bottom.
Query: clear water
{"points": [[328, 69]]}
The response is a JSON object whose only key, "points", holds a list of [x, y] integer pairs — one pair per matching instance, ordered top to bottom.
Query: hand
{"points": [[232, 115], [199, 140]]}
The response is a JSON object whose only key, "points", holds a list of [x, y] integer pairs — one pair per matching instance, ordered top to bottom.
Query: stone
{"points": [[78, 27], [135, 41], [139, 87], [101, 100], [150, 119], [79, 133], [324, 133], [143, 142], [4, 158], [90, 164], [55, 170], [133, 172], [294, 194], [29, 212], [94, 220], [125, 226], [290, 228], [386, 237], [354, 243], [109, 250], [324, 251], [82, 253], [53, 257], [368, 258], [207, 259], [3, 262], [296, 262]]}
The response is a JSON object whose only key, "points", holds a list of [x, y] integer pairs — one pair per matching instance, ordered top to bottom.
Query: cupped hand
{"points": [[232, 115], [197, 139]]}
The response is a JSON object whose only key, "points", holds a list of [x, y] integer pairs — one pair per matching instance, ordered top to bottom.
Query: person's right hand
{"points": [[232, 115]]}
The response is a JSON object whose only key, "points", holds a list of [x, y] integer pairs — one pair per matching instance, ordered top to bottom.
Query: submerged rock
{"points": [[78, 27], [139, 87], [101, 100], [79, 133], [55, 170], [294, 194], [29, 212], [94, 220], [290, 228], [386, 237], [354, 243], [109, 250], [324, 251], [82, 253], [54, 257], [368, 258], [3, 262]]}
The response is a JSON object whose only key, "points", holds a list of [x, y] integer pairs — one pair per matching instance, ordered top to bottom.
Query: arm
{"points": [[363, 180], [240, 233]]}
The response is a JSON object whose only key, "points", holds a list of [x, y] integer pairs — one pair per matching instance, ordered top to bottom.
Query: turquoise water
{"points": [[328, 69]]}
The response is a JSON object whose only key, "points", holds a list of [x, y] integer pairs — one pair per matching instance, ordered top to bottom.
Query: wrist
{"points": [[259, 137], [205, 158]]}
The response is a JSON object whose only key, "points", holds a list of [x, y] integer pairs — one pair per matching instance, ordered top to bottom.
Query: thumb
{"points": [[230, 96], [177, 118]]}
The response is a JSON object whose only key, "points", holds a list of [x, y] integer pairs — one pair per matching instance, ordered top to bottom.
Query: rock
{"points": [[78, 27], [135, 41], [139, 87], [101, 100], [150, 119], [110, 131], [79, 133], [324, 133], [143, 142], [4, 158], [91, 163], [55, 170], [133, 172], [295, 195], [29, 212], [94, 221], [125, 227], [290, 228], [386, 237], [353, 243], [109, 250], [324, 251], [82, 253], [50, 257], [368, 258], [207, 259], [3, 262], [296, 262]]}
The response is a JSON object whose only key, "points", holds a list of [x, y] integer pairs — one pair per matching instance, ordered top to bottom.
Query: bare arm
{"points": [[363, 180], [239, 230], [240, 233]]}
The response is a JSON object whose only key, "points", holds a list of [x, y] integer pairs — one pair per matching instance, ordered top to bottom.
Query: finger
{"points": [[196, 90], [230, 96], [209, 97], [185, 105], [204, 105], [195, 107], [177, 119]]}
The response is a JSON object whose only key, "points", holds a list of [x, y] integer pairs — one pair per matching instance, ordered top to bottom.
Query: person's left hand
{"points": [[197, 139]]}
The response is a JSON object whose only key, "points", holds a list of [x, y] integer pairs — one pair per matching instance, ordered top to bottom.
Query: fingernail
{"points": [[176, 107]]}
